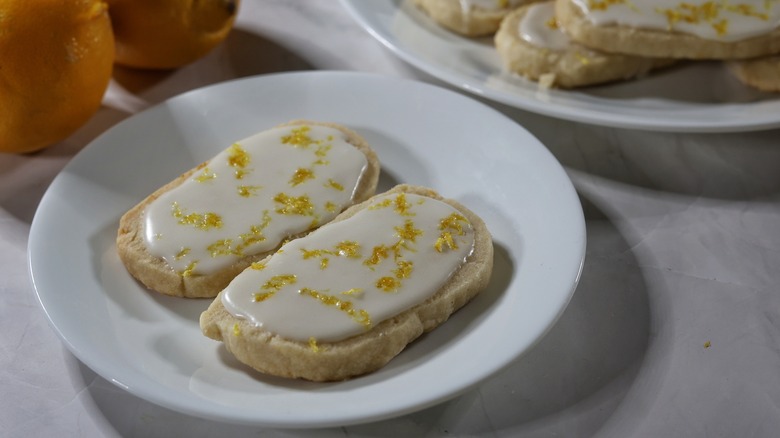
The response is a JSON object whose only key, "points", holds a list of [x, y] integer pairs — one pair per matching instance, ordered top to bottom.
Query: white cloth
{"points": [[673, 331]]}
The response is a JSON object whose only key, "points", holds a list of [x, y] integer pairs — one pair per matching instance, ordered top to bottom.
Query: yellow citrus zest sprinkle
{"points": [[602, 5], [750, 11], [552, 23], [298, 137], [321, 153], [238, 159], [206, 175], [300, 176], [332, 184], [247, 191], [294, 205], [379, 205], [400, 205], [331, 207], [202, 221], [454, 222], [448, 225], [408, 231], [407, 234], [255, 235], [445, 239], [221, 247], [348, 248], [310, 253], [316, 253], [379, 253], [181, 254], [257, 266], [404, 269], [187, 272], [277, 282], [388, 284], [274, 285], [353, 291], [262, 296], [358, 315], [236, 330], [313, 345]]}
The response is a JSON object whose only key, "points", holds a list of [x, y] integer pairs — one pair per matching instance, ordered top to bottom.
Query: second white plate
{"points": [[696, 97], [152, 346]]}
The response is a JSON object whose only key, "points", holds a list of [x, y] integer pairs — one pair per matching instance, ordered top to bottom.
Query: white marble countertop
{"points": [[674, 329]]}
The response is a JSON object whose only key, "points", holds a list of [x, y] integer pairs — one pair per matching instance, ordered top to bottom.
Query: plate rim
{"points": [[613, 119], [192, 408]]}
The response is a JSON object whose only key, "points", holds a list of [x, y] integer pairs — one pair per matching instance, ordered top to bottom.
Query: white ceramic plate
{"points": [[700, 97], [151, 345]]}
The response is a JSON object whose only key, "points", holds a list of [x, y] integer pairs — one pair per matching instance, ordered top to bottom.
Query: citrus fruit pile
{"points": [[57, 56]]}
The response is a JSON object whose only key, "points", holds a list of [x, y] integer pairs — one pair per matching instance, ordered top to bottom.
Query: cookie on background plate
{"points": [[471, 18], [693, 29], [530, 44], [761, 73]]}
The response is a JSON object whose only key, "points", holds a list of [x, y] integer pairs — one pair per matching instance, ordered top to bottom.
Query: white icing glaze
{"points": [[490, 5], [722, 20], [538, 27], [249, 211], [302, 316]]}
